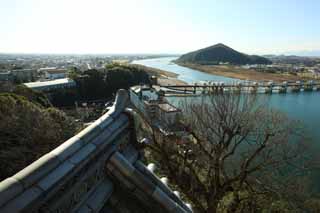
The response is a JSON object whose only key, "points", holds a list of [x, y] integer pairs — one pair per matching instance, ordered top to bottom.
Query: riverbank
{"points": [[155, 71], [237, 72], [164, 77]]}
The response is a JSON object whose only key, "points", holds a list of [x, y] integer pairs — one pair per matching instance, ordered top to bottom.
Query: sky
{"points": [[159, 26]]}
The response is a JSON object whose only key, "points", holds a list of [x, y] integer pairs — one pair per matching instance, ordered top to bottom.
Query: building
{"points": [[314, 70], [53, 73], [19, 75], [24, 75], [5, 76], [47, 86], [144, 100], [153, 106], [167, 113]]}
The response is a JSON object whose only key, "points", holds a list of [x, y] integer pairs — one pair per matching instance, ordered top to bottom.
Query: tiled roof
{"points": [[97, 170]]}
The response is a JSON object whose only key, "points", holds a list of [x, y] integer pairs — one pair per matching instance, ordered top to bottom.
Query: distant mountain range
{"points": [[221, 53], [306, 53], [293, 59]]}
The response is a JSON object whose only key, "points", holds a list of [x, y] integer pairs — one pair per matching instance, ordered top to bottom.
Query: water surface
{"points": [[304, 106]]}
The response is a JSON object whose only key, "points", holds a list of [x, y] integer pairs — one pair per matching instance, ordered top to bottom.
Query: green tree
{"points": [[73, 73], [101, 84], [33, 96], [27, 131]]}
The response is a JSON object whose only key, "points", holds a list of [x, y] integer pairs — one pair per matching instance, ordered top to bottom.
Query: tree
{"points": [[73, 73], [103, 84], [33, 96], [28, 131], [238, 155]]}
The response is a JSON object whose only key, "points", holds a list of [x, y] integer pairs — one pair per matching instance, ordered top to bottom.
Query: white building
{"points": [[51, 85], [152, 106]]}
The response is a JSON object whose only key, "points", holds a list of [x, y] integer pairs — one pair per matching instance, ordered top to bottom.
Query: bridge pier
{"points": [[297, 87], [308, 87], [236, 88], [253, 88], [213, 89], [221, 89], [268, 89], [283, 89], [209, 90]]}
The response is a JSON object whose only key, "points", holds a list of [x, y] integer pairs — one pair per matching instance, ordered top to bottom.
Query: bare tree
{"points": [[236, 152]]}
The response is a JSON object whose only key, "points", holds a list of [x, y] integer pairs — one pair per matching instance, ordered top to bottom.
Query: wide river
{"points": [[303, 106]]}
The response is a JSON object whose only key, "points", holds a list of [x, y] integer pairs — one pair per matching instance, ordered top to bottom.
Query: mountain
{"points": [[221, 53], [305, 53], [294, 59]]}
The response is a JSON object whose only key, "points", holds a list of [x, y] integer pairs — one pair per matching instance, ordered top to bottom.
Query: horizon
{"points": [[158, 27], [301, 54]]}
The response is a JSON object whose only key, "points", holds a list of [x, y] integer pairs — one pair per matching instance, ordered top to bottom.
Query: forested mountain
{"points": [[221, 53]]}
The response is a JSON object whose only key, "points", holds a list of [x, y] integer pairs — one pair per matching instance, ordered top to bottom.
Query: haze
{"points": [[163, 26]]}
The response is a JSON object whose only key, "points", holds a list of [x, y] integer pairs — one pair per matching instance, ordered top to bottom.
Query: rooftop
{"points": [[47, 68], [56, 71], [5, 73], [39, 84], [136, 89], [168, 107]]}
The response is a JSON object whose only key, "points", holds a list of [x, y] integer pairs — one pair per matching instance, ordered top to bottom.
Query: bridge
{"points": [[251, 87], [98, 170]]}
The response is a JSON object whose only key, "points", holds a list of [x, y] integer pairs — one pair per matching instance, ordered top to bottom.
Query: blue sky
{"points": [[162, 26]]}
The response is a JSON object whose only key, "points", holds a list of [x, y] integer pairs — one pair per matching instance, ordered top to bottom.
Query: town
{"points": [[23, 68], [158, 106]]}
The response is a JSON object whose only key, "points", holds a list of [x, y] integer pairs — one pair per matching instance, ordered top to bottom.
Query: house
{"points": [[53, 73], [56, 74], [153, 106], [167, 113]]}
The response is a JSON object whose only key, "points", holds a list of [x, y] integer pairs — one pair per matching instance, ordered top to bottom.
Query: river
{"points": [[303, 106]]}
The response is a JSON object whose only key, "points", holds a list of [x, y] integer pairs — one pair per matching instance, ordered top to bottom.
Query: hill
{"points": [[221, 53], [28, 130]]}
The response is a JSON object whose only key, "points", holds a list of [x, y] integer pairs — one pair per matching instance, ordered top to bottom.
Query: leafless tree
{"points": [[236, 151]]}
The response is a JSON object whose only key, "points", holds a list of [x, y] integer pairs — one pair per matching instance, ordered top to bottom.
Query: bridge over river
{"points": [[251, 87], [302, 106], [98, 170]]}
